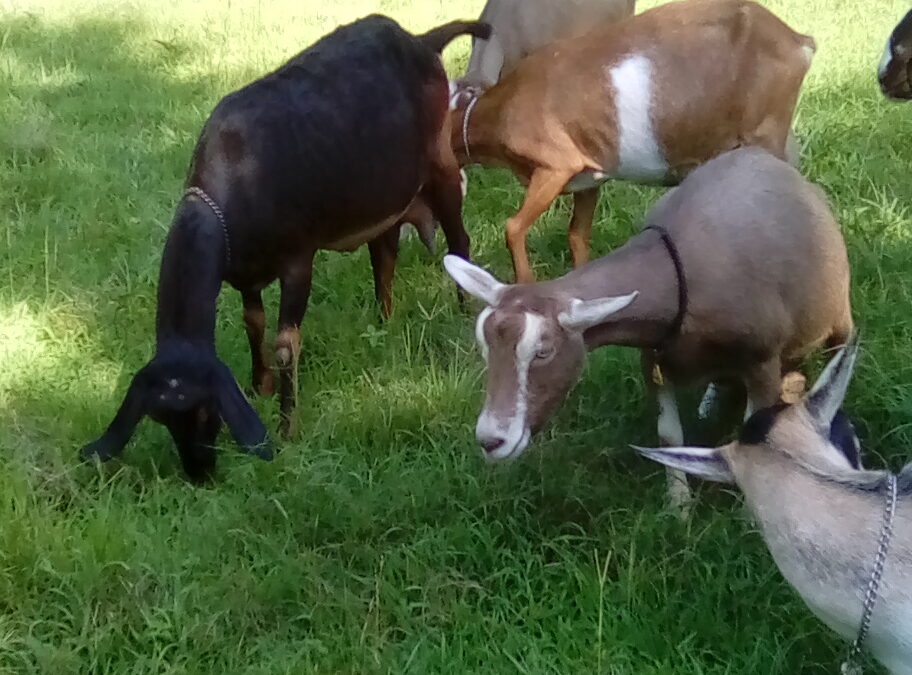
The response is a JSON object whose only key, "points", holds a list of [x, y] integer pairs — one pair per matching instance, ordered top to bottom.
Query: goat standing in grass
{"points": [[645, 99], [327, 152], [740, 273], [820, 514]]}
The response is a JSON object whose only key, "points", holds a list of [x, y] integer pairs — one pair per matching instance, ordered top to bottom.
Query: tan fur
{"points": [[726, 74], [823, 532]]}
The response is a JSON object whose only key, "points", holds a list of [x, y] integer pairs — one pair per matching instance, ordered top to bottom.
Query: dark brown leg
{"points": [[584, 203], [383, 252], [295, 284], [255, 323]]}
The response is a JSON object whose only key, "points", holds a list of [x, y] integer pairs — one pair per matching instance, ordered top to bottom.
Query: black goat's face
{"points": [[893, 73], [180, 385]]}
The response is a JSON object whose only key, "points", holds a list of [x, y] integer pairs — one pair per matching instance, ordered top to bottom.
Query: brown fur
{"points": [[726, 74]]}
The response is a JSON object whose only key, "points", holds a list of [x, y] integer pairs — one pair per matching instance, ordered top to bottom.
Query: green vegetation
{"points": [[378, 541]]}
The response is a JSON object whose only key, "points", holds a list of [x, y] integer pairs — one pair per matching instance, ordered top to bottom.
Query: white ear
{"points": [[473, 279], [584, 314], [829, 390], [707, 463]]}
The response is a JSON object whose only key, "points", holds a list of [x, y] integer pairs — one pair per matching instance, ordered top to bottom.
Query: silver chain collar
{"points": [[465, 126], [210, 202], [851, 666]]}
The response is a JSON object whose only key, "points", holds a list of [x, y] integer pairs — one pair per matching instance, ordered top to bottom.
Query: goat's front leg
{"points": [[544, 187], [580, 233], [383, 252], [295, 292], [255, 324], [763, 383], [670, 431]]}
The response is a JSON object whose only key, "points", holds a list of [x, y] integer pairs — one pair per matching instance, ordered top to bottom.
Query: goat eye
{"points": [[544, 353]]}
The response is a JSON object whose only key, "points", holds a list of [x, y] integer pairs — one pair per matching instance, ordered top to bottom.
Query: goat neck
{"points": [[641, 265], [192, 268]]}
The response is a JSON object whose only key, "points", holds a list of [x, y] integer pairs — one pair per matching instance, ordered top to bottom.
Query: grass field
{"points": [[378, 541]]}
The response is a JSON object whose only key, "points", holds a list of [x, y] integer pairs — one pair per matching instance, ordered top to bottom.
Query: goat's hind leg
{"points": [[580, 233], [295, 283], [255, 325]]}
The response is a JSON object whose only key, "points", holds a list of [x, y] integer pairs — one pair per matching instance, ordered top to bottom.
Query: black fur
{"points": [[317, 154], [757, 428]]}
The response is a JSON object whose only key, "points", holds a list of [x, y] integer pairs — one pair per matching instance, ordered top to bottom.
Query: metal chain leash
{"points": [[210, 202], [851, 666]]}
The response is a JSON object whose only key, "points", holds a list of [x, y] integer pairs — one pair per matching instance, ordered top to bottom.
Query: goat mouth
{"points": [[507, 452]]}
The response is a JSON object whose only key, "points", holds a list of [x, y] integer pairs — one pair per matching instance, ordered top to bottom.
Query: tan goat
{"points": [[519, 27], [645, 99], [740, 273], [820, 516]]}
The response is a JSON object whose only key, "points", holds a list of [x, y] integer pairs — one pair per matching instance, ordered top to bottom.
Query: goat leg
{"points": [[544, 187], [580, 233], [383, 252], [295, 292], [255, 325], [763, 384]]}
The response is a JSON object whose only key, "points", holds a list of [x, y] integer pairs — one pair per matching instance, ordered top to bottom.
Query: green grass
{"points": [[378, 541]]}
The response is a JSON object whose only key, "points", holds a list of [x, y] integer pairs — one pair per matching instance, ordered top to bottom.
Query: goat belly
{"points": [[350, 242]]}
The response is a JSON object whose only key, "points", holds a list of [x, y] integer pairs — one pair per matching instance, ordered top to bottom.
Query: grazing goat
{"points": [[519, 27], [893, 72], [646, 99], [327, 152], [740, 272], [820, 514]]}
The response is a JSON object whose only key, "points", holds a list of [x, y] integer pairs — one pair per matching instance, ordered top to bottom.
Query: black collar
{"points": [[675, 326]]}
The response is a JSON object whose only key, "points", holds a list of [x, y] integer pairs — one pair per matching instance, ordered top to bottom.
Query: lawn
{"points": [[378, 541]]}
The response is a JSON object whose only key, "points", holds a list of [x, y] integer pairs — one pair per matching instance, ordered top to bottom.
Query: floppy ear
{"points": [[473, 279], [584, 314], [824, 399], [242, 420], [121, 429], [707, 463]]}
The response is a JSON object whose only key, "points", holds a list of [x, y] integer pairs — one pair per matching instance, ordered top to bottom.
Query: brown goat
{"points": [[645, 99]]}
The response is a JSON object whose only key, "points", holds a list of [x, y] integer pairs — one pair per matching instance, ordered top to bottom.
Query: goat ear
{"points": [[473, 279], [584, 314], [826, 397], [242, 420], [121, 429], [707, 463]]}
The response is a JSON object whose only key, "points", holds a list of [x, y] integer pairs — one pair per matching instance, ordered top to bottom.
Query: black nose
{"points": [[491, 444]]}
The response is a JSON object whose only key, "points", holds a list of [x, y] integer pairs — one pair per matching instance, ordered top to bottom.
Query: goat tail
{"points": [[440, 37]]}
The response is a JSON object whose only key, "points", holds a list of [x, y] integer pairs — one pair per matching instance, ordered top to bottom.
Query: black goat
{"points": [[327, 152]]}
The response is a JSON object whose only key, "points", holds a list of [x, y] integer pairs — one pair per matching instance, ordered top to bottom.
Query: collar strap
{"points": [[465, 126], [199, 193], [675, 328]]}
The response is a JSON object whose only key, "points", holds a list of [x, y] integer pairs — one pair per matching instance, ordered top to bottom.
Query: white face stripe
{"points": [[885, 60], [639, 155], [479, 331], [514, 431]]}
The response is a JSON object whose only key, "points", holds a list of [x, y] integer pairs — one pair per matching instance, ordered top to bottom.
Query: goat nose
{"points": [[491, 444]]}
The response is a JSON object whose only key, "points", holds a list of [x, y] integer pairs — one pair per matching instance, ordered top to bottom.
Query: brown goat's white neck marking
{"points": [[639, 155], [514, 430]]}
